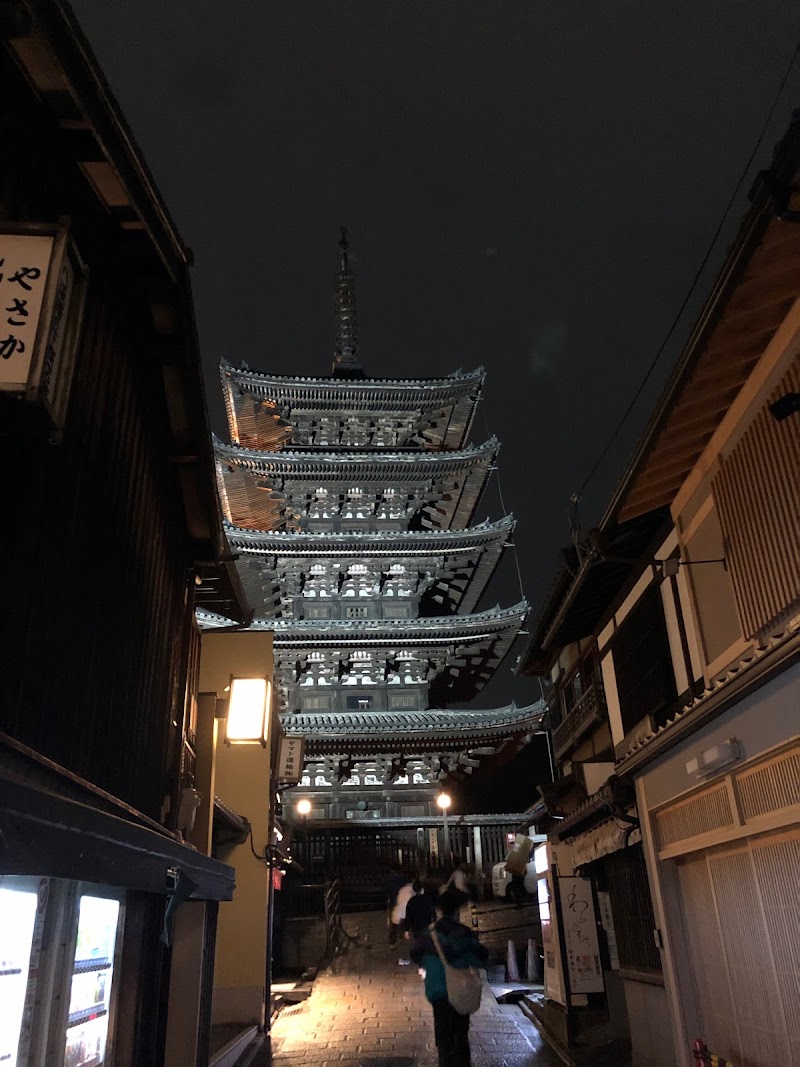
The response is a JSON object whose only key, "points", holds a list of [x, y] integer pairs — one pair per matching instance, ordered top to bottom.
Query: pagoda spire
{"points": [[346, 363]]}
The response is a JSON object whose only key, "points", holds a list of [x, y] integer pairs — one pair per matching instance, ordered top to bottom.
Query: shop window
{"points": [[643, 662]]}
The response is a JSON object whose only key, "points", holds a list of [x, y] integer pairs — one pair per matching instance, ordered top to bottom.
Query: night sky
{"points": [[527, 186]]}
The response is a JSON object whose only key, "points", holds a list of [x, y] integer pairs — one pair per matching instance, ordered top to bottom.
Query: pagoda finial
{"points": [[346, 363]]}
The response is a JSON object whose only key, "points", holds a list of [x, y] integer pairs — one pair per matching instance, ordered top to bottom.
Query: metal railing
{"points": [[337, 939]]}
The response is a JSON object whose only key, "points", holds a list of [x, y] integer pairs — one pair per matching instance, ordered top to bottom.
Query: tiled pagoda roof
{"points": [[283, 396], [409, 463], [457, 479], [371, 543], [434, 630], [462, 725]]}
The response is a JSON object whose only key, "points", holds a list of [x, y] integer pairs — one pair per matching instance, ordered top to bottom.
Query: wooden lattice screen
{"points": [[757, 491]]}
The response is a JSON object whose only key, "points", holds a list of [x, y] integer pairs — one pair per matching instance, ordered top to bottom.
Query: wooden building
{"points": [[110, 522], [673, 645]]}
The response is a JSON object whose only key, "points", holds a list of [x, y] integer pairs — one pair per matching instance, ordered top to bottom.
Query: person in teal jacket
{"points": [[461, 948]]}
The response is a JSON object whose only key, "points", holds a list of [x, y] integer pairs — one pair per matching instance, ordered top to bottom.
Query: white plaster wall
{"points": [[760, 721]]}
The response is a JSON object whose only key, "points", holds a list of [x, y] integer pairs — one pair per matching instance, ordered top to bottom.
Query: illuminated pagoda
{"points": [[348, 502]]}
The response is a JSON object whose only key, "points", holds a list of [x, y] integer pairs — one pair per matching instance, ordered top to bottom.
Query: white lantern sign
{"points": [[42, 289]]}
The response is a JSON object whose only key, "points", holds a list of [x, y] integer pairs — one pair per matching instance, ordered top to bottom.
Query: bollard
{"points": [[531, 962], [512, 969]]}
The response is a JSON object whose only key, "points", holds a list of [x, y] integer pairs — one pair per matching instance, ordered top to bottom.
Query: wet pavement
{"points": [[367, 1010]]}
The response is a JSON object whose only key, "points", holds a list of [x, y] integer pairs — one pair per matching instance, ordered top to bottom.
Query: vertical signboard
{"points": [[42, 290], [290, 759], [581, 946]]}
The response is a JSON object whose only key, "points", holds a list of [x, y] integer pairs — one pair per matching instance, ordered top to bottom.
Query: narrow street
{"points": [[369, 1010]]}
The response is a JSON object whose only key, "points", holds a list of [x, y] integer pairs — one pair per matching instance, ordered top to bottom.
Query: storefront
{"points": [[724, 859], [89, 892]]}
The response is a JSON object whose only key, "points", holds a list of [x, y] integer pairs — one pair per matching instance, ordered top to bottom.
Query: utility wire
{"points": [[693, 286], [503, 506]]}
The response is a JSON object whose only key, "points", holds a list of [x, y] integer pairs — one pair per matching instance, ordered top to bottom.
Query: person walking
{"points": [[392, 884], [404, 894], [420, 911], [461, 949]]}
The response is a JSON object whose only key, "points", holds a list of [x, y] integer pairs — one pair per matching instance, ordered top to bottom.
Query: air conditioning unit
{"points": [[714, 759]]}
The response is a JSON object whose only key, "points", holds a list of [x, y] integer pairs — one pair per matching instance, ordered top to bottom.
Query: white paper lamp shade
{"points": [[247, 711]]}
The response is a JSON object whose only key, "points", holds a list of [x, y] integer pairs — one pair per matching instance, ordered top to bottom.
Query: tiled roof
{"points": [[283, 383], [340, 462], [326, 542], [359, 631], [406, 723]]}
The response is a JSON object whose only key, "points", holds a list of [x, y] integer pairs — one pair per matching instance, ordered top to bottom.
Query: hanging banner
{"points": [[290, 759], [580, 935]]}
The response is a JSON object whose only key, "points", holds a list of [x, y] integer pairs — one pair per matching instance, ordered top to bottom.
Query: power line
{"points": [[624, 418], [504, 508]]}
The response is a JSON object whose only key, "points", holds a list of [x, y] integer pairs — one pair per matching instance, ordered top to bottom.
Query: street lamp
{"points": [[443, 802]]}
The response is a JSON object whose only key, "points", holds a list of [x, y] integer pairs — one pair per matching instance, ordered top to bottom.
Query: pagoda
{"points": [[349, 502]]}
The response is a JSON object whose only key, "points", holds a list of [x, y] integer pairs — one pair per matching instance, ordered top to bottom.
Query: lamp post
{"points": [[443, 803]]}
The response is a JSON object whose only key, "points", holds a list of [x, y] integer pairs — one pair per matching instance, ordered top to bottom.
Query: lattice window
{"points": [[757, 491], [632, 908]]}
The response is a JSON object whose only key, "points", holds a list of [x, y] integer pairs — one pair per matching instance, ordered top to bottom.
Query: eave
{"points": [[46, 42], [758, 284], [375, 633], [412, 731]]}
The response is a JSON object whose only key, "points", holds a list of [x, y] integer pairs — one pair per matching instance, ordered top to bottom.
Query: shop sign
{"points": [[42, 290], [290, 759], [580, 936]]}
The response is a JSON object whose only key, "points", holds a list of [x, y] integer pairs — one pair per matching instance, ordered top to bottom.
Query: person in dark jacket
{"points": [[420, 912], [461, 949]]}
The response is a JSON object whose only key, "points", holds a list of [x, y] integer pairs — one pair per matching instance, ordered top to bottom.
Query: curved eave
{"points": [[279, 385], [290, 463], [389, 543], [436, 630], [461, 725]]}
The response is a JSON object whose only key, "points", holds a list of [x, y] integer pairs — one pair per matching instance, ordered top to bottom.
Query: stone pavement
{"points": [[366, 1010]]}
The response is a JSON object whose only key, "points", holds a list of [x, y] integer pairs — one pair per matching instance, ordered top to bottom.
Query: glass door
{"points": [[19, 909], [94, 968]]}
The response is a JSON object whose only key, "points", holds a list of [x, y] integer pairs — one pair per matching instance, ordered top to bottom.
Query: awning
{"points": [[42, 833], [602, 840]]}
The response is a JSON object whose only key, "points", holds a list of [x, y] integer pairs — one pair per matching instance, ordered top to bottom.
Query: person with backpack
{"points": [[451, 957]]}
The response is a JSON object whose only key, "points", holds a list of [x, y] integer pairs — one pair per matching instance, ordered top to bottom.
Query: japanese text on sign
{"points": [[24, 263], [290, 759], [580, 935]]}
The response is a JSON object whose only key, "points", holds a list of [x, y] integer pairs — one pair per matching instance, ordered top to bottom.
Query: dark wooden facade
{"points": [[103, 531]]}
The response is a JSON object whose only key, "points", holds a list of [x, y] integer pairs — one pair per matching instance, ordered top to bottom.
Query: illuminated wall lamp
{"points": [[247, 721]]}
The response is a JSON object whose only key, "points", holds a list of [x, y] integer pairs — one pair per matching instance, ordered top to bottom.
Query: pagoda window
{"points": [[317, 611], [356, 611], [397, 611], [404, 701], [358, 702], [316, 703], [305, 780]]}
